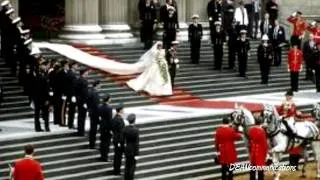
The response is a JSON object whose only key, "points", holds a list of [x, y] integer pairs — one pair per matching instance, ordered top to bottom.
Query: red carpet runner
{"points": [[180, 97]]}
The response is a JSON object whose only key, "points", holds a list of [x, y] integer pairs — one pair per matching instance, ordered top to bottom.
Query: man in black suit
{"points": [[273, 10], [214, 11], [228, 13], [148, 18], [266, 26], [170, 27], [195, 36], [218, 38], [278, 39], [232, 44], [309, 47], [243, 51], [265, 57], [172, 60], [63, 86], [71, 93], [81, 97], [41, 98], [93, 103], [105, 113], [118, 125], [130, 139]]}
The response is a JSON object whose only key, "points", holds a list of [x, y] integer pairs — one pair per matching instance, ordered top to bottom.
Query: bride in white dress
{"points": [[155, 79]]}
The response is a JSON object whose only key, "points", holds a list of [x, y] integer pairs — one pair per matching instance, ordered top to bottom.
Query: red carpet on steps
{"points": [[180, 96]]}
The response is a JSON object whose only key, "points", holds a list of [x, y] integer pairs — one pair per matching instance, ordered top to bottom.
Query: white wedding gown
{"points": [[155, 80]]}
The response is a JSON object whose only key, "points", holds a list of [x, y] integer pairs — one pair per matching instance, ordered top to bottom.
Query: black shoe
{"points": [[228, 68], [39, 130], [48, 130], [103, 159], [117, 173]]}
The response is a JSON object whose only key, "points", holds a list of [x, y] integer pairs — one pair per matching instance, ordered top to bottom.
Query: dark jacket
{"points": [[214, 10], [195, 32], [279, 37], [243, 47], [309, 53], [265, 55], [71, 83], [41, 88], [81, 90], [93, 101], [105, 113], [118, 125], [130, 139]]}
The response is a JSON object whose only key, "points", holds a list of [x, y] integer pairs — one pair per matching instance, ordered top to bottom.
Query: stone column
{"points": [[197, 7], [182, 10], [82, 16], [114, 18]]}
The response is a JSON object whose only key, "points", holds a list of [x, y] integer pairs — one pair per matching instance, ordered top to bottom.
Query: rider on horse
{"points": [[288, 112]]}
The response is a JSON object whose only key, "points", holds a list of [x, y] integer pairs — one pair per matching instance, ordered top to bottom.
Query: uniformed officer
{"points": [[214, 11], [228, 13], [148, 18], [170, 27], [299, 28], [195, 36], [218, 38], [278, 39], [232, 44], [243, 51], [265, 58], [295, 60], [62, 88], [71, 93], [81, 97], [41, 98], [93, 103], [105, 113], [118, 126], [225, 138], [130, 139], [258, 148]]}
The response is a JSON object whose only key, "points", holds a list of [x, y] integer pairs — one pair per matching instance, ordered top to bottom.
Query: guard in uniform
{"points": [[214, 11], [228, 13], [148, 18], [170, 26], [299, 28], [314, 28], [195, 36], [218, 38], [278, 39], [232, 44], [309, 48], [243, 51], [265, 58], [172, 60], [295, 60], [62, 91], [71, 93], [82, 97], [41, 98], [93, 109], [288, 112], [105, 113], [118, 126], [225, 138], [130, 139], [258, 148]]}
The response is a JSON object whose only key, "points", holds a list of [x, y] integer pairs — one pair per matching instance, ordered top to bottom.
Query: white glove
{"points": [[294, 14], [210, 18], [313, 23], [249, 54], [176, 60], [177, 66], [50, 93], [64, 98], [73, 99], [85, 106], [136, 158]]}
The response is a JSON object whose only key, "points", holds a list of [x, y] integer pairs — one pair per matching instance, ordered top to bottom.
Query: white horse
{"points": [[279, 140]]}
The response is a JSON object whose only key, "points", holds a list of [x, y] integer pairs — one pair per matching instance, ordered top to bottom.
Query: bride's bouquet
{"points": [[163, 67]]}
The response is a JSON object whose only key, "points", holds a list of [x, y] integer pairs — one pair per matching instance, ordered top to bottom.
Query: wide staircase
{"points": [[171, 150]]}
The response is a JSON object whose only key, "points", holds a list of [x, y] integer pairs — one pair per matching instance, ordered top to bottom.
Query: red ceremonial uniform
{"points": [[299, 26], [316, 32], [295, 59], [287, 109], [224, 141], [258, 146], [295, 150], [27, 169]]}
